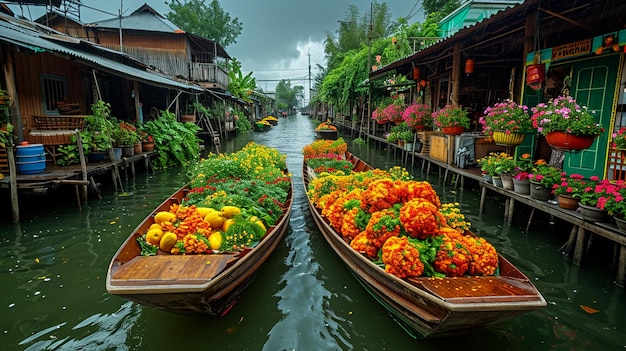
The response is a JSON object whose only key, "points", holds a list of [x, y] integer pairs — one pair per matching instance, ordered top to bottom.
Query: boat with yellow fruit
{"points": [[200, 248]]}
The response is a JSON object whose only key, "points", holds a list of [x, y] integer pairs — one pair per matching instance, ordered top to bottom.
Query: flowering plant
{"points": [[393, 112], [564, 114], [417, 115], [378, 116], [451, 116], [506, 116], [325, 126], [125, 134], [619, 139], [489, 163], [545, 174], [574, 186], [599, 192], [615, 205]]}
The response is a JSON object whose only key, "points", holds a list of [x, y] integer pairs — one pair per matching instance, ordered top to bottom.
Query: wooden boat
{"points": [[327, 134], [206, 284], [435, 307]]}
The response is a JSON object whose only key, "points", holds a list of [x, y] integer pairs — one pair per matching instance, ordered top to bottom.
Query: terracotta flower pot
{"points": [[454, 130], [565, 141], [568, 202]]}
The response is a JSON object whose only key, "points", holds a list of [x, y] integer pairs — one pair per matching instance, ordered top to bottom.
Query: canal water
{"points": [[53, 267]]}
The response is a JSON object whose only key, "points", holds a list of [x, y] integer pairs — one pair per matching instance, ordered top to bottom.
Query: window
{"points": [[54, 89]]}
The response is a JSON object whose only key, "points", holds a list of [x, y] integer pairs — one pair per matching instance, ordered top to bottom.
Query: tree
{"points": [[445, 7], [208, 21], [354, 31], [239, 85], [286, 96]]}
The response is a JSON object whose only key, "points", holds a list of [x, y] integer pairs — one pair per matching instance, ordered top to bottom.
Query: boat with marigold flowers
{"points": [[326, 130], [200, 248], [413, 254]]}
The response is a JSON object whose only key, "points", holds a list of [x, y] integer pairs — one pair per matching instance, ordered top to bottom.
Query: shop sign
{"points": [[571, 49]]}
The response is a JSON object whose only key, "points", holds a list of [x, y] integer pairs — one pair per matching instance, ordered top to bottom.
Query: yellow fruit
{"points": [[204, 211], [230, 211], [164, 216], [215, 219], [259, 222], [227, 224], [155, 225], [153, 236], [168, 240], [215, 240]]}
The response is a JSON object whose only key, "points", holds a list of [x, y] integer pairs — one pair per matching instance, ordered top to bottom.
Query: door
{"points": [[593, 84]]}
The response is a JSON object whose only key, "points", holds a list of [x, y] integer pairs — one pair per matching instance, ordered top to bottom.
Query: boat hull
{"points": [[205, 284], [427, 307]]}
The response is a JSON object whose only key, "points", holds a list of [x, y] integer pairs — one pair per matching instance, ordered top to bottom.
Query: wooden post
{"points": [[456, 74], [83, 164], [15, 205], [580, 246], [621, 267]]}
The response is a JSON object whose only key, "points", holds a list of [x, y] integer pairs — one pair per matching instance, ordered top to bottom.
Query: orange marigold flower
{"points": [[421, 218], [381, 226], [349, 228], [362, 244], [401, 258]]}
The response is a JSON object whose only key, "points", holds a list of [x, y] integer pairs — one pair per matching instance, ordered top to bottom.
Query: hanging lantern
{"points": [[469, 66], [417, 74], [535, 75]]}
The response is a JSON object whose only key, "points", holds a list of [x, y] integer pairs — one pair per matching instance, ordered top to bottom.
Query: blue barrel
{"points": [[31, 158]]}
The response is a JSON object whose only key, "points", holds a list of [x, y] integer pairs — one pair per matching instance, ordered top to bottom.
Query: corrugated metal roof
{"points": [[141, 21], [24, 34]]}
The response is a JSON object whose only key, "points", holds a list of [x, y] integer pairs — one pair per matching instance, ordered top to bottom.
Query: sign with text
{"points": [[571, 49]]}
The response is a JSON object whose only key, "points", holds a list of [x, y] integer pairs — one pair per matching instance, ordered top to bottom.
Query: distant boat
{"points": [[429, 307]]}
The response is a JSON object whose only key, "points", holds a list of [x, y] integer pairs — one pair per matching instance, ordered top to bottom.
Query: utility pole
{"points": [[120, 16], [309, 53], [369, 66]]}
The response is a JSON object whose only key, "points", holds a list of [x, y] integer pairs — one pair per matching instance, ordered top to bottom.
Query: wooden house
{"points": [[153, 40], [488, 61], [51, 75]]}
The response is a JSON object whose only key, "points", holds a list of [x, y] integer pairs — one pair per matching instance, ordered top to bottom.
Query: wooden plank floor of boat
{"points": [[170, 269], [478, 289]]}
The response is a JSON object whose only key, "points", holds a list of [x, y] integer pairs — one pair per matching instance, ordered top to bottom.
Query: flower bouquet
{"points": [[418, 116], [507, 122]]}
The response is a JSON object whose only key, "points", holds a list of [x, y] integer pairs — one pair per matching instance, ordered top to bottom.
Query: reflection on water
{"points": [[53, 266]]}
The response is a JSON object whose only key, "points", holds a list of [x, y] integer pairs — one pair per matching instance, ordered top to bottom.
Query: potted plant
{"points": [[393, 112], [418, 116], [451, 119], [507, 122], [565, 124], [6, 135], [96, 136], [488, 166], [521, 175], [542, 178], [569, 190], [596, 196], [616, 206]]}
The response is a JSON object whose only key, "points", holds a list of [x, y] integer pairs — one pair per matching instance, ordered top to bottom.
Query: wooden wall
{"points": [[28, 71]]}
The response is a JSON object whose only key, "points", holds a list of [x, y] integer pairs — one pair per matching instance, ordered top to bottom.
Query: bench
{"points": [[55, 130]]}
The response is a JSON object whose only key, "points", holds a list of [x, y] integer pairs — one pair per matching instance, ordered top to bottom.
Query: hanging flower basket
{"points": [[454, 130], [511, 139], [569, 142]]}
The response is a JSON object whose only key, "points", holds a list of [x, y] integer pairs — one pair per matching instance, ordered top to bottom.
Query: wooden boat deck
{"points": [[171, 269]]}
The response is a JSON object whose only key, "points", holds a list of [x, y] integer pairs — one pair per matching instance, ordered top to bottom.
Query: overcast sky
{"points": [[277, 35]]}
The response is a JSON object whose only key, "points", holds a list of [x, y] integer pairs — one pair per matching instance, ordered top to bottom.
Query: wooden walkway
{"points": [[79, 176], [581, 233]]}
